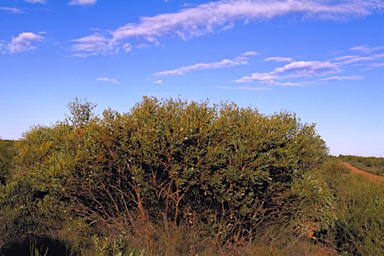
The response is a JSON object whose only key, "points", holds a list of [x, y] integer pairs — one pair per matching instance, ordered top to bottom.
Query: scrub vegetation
{"points": [[374, 165], [173, 177]]}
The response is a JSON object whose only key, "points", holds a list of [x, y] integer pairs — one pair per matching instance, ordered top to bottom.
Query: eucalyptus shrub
{"points": [[185, 161], [223, 166]]}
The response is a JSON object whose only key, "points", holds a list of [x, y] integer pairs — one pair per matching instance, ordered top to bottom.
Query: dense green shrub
{"points": [[8, 149], [225, 165], [230, 170]]}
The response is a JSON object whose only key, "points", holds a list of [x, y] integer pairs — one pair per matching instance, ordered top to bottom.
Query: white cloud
{"points": [[36, 1], [82, 2], [11, 9], [215, 16], [204, 18], [231, 25], [23, 42], [91, 45], [3, 47], [127, 47], [366, 48], [250, 54], [347, 57], [278, 59], [350, 59], [240, 60], [375, 65], [304, 68], [294, 69], [292, 74], [261, 77], [341, 78], [108, 80], [158, 82], [289, 83], [245, 88]]}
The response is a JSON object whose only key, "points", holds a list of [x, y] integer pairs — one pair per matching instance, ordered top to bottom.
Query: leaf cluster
{"points": [[8, 149]]}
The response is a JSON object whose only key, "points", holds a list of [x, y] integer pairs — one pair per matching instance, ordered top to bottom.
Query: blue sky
{"points": [[321, 59]]}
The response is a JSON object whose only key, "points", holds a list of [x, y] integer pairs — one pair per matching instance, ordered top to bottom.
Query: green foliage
{"points": [[81, 113], [8, 149], [224, 165], [373, 165], [231, 170], [31, 202], [360, 211], [104, 246], [34, 251]]}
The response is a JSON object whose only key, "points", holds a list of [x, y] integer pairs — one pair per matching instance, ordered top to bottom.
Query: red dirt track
{"points": [[368, 175]]}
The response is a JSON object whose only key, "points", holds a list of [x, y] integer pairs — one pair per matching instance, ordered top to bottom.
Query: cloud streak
{"points": [[36, 1], [82, 2], [11, 9], [217, 16], [95, 44], [366, 48], [279, 59], [351, 59], [226, 63], [294, 69], [298, 73], [340, 78], [108, 80], [245, 88]]}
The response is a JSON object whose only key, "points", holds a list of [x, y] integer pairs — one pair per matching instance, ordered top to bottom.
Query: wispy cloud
{"points": [[36, 1], [82, 2], [11, 9], [217, 16], [23, 42], [91, 45], [3, 47], [127, 47], [366, 48], [250, 53], [279, 59], [350, 59], [226, 63], [375, 65], [308, 68], [294, 69], [297, 73], [340, 78], [108, 80], [158, 82], [245, 88]]}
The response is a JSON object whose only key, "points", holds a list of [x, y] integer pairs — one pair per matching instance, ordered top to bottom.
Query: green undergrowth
{"points": [[373, 165]]}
